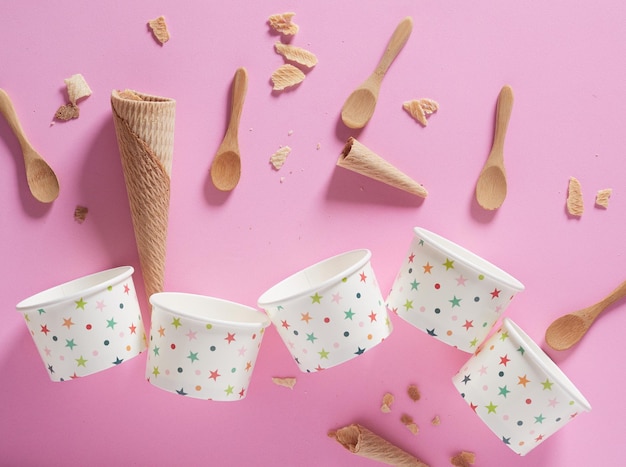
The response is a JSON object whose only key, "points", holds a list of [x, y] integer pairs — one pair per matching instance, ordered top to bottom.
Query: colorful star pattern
{"points": [[446, 297], [332, 325], [76, 339], [203, 360], [513, 395]]}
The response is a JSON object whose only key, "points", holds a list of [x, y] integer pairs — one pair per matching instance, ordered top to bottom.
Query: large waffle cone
{"points": [[144, 126], [358, 158], [361, 441]]}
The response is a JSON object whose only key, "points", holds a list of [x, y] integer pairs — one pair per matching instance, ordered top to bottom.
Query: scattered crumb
{"points": [[282, 23], [159, 29], [296, 54], [285, 76], [77, 88], [419, 109], [67, 112], [290, 132], [319, 145], [278, 158], [282, 179], [602, 197], [574, 198], [80, 213], [285, 382], [414, 393], [387, 401], [436, 421], [408, 422], [463, 459]]}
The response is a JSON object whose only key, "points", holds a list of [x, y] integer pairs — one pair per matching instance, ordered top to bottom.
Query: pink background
{"points": [[565, 61]]}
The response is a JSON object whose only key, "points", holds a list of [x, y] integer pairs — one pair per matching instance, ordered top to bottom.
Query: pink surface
{"points": [[565, 63]]}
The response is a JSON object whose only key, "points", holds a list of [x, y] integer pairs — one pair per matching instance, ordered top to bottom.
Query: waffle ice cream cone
{"points": [[144, 126], [358, 158], [359, 440]]}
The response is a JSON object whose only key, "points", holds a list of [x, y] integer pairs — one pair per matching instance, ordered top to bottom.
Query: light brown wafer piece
{"points": [[282, 23], [159, 29], [296, 54], [286, 76], [77, 88], [419, 109], [67, 112], [278, 158], [602, 197], [574, 198], [80, 213], [288, 382], [413, 392], [387, 402], [436, 421], [408, 422], [360, 441], [463, 459]]}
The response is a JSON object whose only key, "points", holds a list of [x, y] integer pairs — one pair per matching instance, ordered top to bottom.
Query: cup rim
{"points": [[459, 253], [110, 277], [264, 300], [162, 301], [542, 359]]}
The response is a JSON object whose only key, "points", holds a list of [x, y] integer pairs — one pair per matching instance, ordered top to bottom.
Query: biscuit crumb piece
{"points": [[282, 24], [159, 29], [296, 54], [286, 76], [77, 88], [419, 109], [67, 112], [319, 145], [278, 158], [602, 197], [574, 198], [80, 213], [285, 382], [414, 393], [387, 401], [436, 421], [408, 422], [463, 459]]}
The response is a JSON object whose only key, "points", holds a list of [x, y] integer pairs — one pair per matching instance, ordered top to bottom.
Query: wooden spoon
{"points": [[360, 105], [226, 166], [42, 181], [491, 186], [567, 330]]}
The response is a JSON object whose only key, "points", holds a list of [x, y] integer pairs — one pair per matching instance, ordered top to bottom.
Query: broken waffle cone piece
{"points": [[144, 126], [358, 158], [574, 198], [360, 441]]}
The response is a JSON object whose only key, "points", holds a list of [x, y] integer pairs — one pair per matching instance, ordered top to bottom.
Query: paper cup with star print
{"points": [[449, 292], [330, 312], [86, 325], [203, 347], [517, 390]]}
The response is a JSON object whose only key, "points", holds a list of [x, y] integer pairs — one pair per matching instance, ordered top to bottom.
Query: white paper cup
{"points": [[449, 292], [330, 312], [86, 325], [203, 347], [517, 390]]}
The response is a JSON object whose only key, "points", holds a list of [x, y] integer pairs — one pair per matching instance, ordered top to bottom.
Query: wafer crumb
{"points": [[282, 23], [159, 29], [296, 54], [286, 76], [77, 88], [419, 109], [67, 112], [318, 146], [278, 158], [602, 197], [574, 198], [80, 213], [288, 382], [413, 392], [387, 402], [436, 421], [408, 422], [463, 459]]}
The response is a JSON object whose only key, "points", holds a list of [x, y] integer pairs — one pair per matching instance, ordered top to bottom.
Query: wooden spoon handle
{"points": [[396, 43], [240, 87], [504, 107], [7, 109], [617, 294]]}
